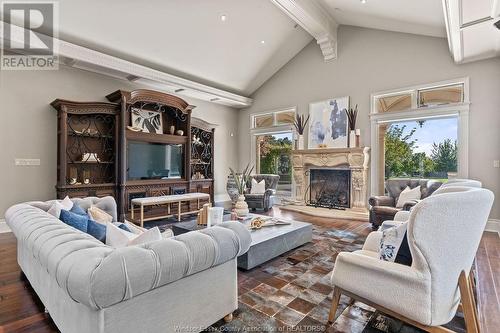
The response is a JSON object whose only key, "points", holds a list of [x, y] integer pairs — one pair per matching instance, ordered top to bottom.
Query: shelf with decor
{"points": [[153, 137], [87, 147], [155, 150], [202, 156]]}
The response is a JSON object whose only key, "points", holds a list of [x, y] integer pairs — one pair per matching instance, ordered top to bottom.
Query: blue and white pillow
{"points": [[391, 241]]}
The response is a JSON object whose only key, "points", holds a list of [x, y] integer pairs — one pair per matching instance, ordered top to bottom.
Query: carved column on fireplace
{"points": [[355, 159]]}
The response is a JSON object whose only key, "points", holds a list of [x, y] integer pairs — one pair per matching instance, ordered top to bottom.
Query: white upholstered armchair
{"points": [[444, 231]]}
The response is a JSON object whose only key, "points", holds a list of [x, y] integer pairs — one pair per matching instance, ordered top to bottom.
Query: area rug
{"points": [[293, 293]]}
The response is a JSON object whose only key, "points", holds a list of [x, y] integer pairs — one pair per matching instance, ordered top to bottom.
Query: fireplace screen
{"points": [[330, 188]]}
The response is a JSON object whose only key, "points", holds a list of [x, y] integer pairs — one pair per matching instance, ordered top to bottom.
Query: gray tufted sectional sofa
{"points": [[180, 284]]}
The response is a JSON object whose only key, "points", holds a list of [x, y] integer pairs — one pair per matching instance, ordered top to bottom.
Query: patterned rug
{"points": [[293, 293]]}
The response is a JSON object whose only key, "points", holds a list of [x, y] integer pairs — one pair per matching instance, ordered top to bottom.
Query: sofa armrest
{"points": [[381, 200], [408, 205], [402, 216], [372, 242]]}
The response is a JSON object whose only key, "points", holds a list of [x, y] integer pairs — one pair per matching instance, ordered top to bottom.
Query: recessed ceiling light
{"points": [[363, 1], [223, 18], [263, 42]]}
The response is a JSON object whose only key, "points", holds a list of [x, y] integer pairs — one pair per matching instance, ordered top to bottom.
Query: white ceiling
{"points": [[421, 17], [187, 38]]}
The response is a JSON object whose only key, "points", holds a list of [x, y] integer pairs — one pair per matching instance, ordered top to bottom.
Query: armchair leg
{"points": [[335, 304], [469, 308], [228, 318]]}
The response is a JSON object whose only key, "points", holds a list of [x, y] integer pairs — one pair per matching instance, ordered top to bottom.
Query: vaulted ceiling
{"points": [[421, 17], [188, 37], [224, 50]]}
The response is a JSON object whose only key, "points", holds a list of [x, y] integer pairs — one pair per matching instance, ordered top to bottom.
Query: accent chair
{"points": [[264, 200], [383, 207], [404, 215], [444, 231]]}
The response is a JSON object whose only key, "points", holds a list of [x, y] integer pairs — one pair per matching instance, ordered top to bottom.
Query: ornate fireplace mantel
{"points": [[355, 159]]}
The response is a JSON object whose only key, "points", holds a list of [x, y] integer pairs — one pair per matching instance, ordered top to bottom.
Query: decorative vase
{"points": [[172, 130], [358, 137], [352, 139], [300, 141], [232, 189], [241, 207]]}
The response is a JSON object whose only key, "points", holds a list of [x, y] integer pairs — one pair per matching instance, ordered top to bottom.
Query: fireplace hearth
{"points": [[330, 188]]}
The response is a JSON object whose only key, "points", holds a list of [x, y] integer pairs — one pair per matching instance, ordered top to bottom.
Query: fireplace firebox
{"points": [[330, 188]]}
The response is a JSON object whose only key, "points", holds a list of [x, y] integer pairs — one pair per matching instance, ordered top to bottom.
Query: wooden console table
{"points": [[167, 200]]}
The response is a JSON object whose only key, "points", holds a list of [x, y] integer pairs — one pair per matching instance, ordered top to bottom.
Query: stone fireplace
{"points": [[338, 177], [330, 188]]}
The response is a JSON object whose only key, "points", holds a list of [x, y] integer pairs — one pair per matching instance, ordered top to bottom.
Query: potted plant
{"points": [[352, 114], [300, 124], [240, 179]]}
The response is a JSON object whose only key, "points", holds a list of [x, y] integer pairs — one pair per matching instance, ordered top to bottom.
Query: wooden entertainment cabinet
{"points": [[96, 141]]}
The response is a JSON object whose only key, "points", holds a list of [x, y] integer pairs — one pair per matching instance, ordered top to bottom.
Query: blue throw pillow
{"points": [[78, 210], [79, 222], [124, 227], [97, 230]]}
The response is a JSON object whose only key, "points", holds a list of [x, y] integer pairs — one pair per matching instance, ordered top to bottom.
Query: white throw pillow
{"points": [[258, 188], [407, 195], [67, 203], [55, 209], [135, 228], [117, 237], [391, 242]]}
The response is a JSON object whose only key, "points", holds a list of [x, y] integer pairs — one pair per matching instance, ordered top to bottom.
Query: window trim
{"points": [[414, 91], [461, 110], [273, 113]]}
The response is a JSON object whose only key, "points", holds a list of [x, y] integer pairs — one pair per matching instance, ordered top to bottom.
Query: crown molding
{"points": [[315, 20], [76, 56]]}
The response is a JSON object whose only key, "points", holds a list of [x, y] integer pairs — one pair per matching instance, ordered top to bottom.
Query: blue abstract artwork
{"points": [[328, 124]]}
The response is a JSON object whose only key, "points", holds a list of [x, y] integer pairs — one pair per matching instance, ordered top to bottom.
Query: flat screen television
{"points": [[147, 160]]}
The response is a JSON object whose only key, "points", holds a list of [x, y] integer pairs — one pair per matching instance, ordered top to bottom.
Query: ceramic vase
{"points": [[352, 139], [300, 141], [241, 207]]}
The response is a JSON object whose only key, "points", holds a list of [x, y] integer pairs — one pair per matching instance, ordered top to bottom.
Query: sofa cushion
{"points": [[408, 195], [55, 209], [78, 210], [99, 215], [79, 222], [122, 226], [97, 230], [117, 237], [394, 245]]}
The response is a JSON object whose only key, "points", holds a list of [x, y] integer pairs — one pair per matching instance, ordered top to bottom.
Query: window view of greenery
{"points": [[425, 148], [274, 158]]}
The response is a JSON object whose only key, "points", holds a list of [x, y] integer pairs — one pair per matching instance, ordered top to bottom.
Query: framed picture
{"points": [[148, 121], [328, 123]]}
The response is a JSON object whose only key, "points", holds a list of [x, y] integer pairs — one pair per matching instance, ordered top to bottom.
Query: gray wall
{"points": [[374, 60], [29, 128]]}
